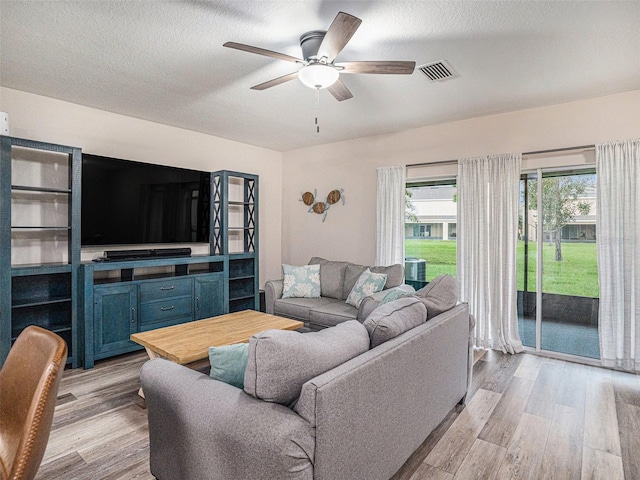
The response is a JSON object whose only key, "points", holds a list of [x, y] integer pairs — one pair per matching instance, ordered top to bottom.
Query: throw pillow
{"points": [[351, 275], [301, 282], [367, 284], [395, 294], [440, 295], [394, 318], [281, 361], [229, 362]]}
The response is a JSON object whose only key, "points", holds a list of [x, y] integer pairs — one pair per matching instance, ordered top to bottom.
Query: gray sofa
{"points": [[336, 281], [361, 419]]}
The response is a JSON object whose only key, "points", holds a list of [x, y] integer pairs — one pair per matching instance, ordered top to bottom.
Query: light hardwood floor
{"points": [[526, 417]]}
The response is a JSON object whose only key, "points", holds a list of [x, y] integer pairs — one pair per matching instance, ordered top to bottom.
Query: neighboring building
{"points": [[436, 212], [434, 217], [581, 229]]}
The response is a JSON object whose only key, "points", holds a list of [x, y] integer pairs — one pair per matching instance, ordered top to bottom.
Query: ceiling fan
{"points": [[319, 50]]}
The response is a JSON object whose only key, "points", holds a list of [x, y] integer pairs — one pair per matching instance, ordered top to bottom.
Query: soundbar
{"points": [[116, 255]]}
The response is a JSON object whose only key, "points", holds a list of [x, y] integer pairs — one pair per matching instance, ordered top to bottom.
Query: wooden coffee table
{"points": [[188, 343]]}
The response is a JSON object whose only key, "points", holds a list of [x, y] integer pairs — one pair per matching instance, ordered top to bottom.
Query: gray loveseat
{"points": [[336, 281], [361, 419]]}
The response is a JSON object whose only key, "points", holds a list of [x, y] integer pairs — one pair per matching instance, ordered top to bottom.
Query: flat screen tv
{"points": [[133, 203]]}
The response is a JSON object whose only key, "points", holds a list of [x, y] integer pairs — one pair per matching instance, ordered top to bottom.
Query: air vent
{"points": [[438, 71]]}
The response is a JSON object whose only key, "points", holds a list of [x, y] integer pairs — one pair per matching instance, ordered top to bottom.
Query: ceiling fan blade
{"points": [[340, 32], [262, 51], [383, 67], [276, 81], [340, 91]]}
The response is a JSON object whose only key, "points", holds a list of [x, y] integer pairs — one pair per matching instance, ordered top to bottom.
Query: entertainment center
{"points": [[96, 305]]}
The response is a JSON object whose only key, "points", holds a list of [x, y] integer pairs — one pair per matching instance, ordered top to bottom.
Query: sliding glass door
{"points": [[527, 265], [557, 269]]}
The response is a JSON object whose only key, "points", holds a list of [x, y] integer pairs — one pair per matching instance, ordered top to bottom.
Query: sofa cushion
{"points": [[394, 273], [331, 276], [301, 282], [368, 283], [440, 295], [300, 307], [331, 314], [394, 318], [281, 361], [228, 363]]}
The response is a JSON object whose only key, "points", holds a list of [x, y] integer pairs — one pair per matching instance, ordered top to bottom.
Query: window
{"points": [[430, 231]]}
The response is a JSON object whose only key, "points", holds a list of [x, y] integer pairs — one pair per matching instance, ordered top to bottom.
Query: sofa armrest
{"points": [[272, 291], [370, 303], [202, 428]]}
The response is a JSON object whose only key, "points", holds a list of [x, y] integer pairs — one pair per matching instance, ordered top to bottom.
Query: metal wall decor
{"points": [[321, 208]]}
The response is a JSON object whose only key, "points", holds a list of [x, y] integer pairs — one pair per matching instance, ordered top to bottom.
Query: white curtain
{"points": [[488, 193], [390, 215], [618, 246]]}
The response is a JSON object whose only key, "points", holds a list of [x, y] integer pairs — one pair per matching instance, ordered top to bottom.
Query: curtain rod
{"points": [[557, 150], [538, 152]]}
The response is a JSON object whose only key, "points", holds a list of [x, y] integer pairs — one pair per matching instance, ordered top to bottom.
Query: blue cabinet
{"points": [[209, 296], [125, 297], [165, 302], [115, 315]]}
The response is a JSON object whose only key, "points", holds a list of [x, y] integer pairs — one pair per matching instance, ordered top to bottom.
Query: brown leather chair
{"points": [[29, 383]]}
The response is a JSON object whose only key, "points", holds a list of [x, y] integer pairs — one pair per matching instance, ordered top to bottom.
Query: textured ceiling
{"points": [[164, 61]]}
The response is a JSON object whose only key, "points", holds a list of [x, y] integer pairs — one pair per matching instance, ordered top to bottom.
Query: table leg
{"points": [[152, 355]]}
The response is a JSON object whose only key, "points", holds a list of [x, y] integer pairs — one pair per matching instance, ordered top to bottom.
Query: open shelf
{"points": [[26, 188], [234, 220], [38, 227], [39, 240], [241, 268], [40, 269], [150, 269], [39, 288], [241, 288], [36, 302], [239, 304], [50, 316]]}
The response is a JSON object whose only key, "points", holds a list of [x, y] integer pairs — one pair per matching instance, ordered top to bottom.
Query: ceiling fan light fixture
{"points": [[318, 75]]}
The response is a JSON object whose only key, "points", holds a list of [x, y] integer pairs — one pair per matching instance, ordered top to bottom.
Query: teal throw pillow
{"points": [[301, 282], [367, 284], [395, 294], [229, 362]]}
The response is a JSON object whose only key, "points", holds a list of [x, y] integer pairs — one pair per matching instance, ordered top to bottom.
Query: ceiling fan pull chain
{"points": [[317, 108]]}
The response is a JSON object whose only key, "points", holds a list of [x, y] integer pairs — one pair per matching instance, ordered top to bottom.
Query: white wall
{"points": [[102, 133], [349, 230], [288, 232]]}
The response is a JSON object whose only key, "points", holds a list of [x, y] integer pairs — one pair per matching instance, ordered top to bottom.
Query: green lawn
{"points": [[576, 275]]}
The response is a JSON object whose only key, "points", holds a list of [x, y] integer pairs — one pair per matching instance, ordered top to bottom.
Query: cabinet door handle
{"points": [[167, 288], [197, 303], [166, 309], [133, 315]]}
